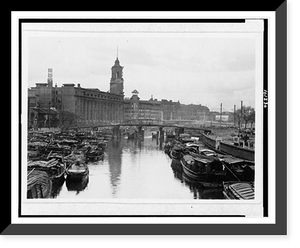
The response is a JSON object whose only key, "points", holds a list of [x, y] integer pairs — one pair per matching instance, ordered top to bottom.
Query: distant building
{"points": [[117, 81], [72, 104], [89, 105], [142, 111]]}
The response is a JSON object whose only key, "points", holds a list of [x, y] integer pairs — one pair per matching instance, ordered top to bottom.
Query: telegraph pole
{"points": [[241, 113], [221, 115], [234, 115]]}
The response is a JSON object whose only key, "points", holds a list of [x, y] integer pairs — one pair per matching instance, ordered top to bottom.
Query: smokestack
{"points": [[50, 77]]}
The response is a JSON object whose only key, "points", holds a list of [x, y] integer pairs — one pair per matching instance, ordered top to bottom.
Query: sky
{"points": [[206, 69]]}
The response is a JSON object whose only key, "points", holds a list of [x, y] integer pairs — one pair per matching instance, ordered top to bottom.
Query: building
{"points": [[117, 81], [71, 105], [88, 106], [142, 111]]}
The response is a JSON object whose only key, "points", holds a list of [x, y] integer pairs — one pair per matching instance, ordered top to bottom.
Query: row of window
{"points": [[100, 96]]}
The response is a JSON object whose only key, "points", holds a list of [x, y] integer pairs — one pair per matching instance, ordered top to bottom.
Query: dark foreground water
{"points": [[134, 169]]}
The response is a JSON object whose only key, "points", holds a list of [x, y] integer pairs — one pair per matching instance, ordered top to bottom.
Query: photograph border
{"points": [[167, 229]]}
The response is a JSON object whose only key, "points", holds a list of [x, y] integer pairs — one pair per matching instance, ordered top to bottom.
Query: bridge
{"points": [[116, 127]]}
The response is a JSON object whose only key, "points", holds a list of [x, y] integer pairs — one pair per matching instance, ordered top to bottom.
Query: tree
{"points": [[247, 115], [252, 118], [68, 119]]}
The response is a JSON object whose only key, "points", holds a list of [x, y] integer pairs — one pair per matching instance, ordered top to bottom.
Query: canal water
{"points": [[134, 169]]}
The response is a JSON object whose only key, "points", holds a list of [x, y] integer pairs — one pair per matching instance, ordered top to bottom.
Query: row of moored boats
{"points": [[53, 156], [210, 169]]}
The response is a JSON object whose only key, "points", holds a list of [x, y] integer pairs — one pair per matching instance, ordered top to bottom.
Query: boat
{"points": [[185, 138], [226, 148], [176, 152], [208, 152], [94, 154], [75, 156], [54, 166], [201, 168], [237, 168], [77, 171], [39, 184], [77, 185], [238, 190]]}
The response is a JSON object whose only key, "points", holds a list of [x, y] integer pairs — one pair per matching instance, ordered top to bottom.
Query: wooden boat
{"points": [[185, 138], [225, 148], [176, 152], [208, 152], [94, 154], [75, 156], [53, 166], [202, 168], [237, 168], [77, 171], [39, 184], [200, 184], [77, 185], [238, 190]]}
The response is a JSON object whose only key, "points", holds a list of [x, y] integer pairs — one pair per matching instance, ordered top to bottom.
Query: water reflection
{"points": [[114, 153], [134, 169]]}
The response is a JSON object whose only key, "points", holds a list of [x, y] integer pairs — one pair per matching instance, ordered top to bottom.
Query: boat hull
{"points": [[225, 148], [237, 190]]}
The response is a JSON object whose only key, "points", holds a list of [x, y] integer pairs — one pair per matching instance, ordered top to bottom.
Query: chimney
{"points": [[50, 77]]}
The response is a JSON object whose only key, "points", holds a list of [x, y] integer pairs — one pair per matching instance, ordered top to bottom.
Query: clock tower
{"points": [[117, 81]]}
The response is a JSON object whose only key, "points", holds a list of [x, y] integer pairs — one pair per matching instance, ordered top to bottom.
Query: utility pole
{"points": [[241, 112], [49, 114], [221, 115], [234, 115]]}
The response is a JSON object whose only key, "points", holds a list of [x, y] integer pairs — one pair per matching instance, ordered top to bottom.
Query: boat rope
{"points": [[230, 170]]}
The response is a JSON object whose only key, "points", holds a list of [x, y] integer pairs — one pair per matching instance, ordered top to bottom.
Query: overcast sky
{"points": [[203, 70]]}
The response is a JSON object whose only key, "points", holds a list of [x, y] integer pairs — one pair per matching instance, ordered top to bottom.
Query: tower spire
{"points": [[117, 51]]}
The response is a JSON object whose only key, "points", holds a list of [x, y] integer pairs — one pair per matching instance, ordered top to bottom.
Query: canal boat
{"points": [[185, 138], [226, 148], [177, 152], [208, 153], [94, 154], [75, 156], [54, 166], [202, 168], [237, 168], [77, 171], [39, 184], [77, 185], [238, 190]]}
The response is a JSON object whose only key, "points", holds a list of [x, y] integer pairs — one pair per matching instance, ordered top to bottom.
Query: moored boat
{"points": [[94, 154], [53, 166], [202, 168], [237, 168], [77, 171], [39, 184], [238, 190]]}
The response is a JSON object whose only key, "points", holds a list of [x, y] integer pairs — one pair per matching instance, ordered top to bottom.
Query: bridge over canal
{"points": [[116, 127]]}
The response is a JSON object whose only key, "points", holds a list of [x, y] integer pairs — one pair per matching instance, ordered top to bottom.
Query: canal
{"points": [[134, 169]]}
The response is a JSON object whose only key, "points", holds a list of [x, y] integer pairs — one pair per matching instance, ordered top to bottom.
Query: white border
{"points": [[176, 15]]}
